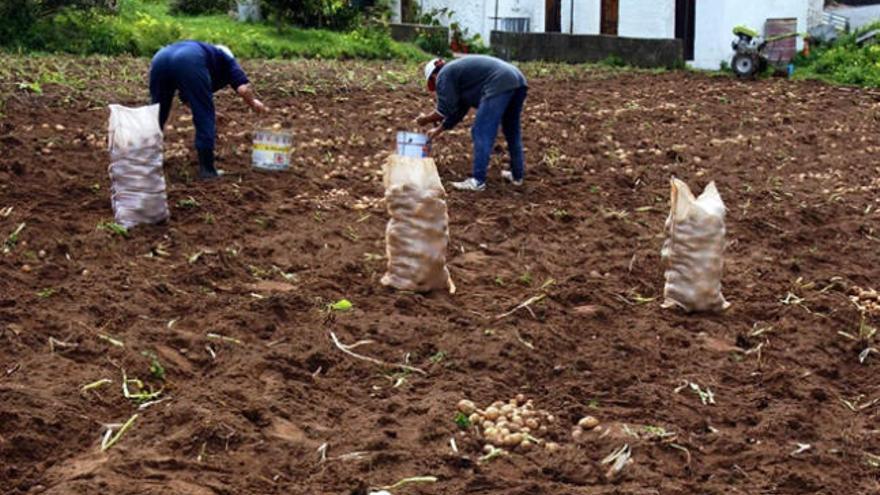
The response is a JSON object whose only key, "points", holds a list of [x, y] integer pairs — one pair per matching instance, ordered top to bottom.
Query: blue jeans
{"points": [[182, 67], [504, 109]]}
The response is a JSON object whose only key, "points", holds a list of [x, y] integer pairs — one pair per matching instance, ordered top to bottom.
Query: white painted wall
{"points": [[394, 5], [472, 15], [476, 15], [587, 16], [647, 18], [716, 20]]}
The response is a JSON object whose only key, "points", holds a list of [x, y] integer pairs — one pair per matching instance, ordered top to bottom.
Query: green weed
{"points": [[113, 228], [46, 293], [462, 421]]}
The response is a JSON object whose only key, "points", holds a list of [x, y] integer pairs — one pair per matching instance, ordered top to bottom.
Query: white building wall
{"points": [[394, 5], [471, 15], [477, 15], [587, 16], [647, 18], [716, 20]]}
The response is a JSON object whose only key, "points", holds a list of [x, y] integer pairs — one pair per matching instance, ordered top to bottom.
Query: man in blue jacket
{"points": [[197, 70], [498, 91]]}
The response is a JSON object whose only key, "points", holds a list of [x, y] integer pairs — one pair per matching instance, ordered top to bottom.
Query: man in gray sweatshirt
{"points": [[498, 91]]}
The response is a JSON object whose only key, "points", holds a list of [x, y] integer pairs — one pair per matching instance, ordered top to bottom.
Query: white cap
{"points": [[225, 49], [431, 66]]}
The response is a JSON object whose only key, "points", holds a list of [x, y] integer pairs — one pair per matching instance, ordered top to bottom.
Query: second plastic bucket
{"points": [[413, 144]]}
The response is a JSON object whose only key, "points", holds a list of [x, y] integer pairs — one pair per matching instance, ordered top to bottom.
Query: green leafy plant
{"points": [[199, 7], [332, 14], [141, 27], [433, 41], [465, 42], [613, 61], [844, 62], [188, 203], [561, 214], [113, 228], [12, 239], [46, 293], [341, 305], [156, 368], [462, 421]]}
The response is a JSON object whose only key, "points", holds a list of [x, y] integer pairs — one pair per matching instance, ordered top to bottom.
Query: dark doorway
{"points": [[553, 16], [610, 16], [685, 25]]}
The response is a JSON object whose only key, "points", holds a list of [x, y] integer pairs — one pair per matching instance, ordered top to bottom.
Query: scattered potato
{"points": [[466, 406], [588, 422]]}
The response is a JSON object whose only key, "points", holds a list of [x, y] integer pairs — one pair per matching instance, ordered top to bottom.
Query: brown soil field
{"points": [[257, 257]]}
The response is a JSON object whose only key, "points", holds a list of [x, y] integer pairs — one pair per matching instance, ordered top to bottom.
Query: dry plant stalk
{"points": [[347, 349]]}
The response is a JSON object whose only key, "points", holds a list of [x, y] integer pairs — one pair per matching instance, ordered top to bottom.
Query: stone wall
{"points": [[584, 48]]}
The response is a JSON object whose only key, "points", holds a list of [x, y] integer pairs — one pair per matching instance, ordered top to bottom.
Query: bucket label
{"points": [[413, 144], [272, 150]]}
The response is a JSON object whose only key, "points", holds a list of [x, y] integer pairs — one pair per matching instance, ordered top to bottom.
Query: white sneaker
{"points": [[508, 176], [469, 185]]}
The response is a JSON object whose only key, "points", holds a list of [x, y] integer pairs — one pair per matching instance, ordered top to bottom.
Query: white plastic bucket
{"points": [[249, 11], [413, 144], [272, 150]]}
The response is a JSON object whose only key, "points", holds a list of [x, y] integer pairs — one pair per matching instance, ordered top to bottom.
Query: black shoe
{"points": [[206, 165]]}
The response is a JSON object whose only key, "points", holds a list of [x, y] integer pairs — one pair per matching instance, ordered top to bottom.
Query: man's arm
{"points": [[247, 94]]}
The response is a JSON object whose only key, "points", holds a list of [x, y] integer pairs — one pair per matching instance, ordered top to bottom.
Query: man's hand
{"points": [[247, 94], [258, 106], [428, 118], [435, 132]]}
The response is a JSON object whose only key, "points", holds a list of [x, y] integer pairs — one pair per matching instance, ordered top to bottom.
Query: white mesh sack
{"points": [[137, 189], [418, 231], [693, 253]]}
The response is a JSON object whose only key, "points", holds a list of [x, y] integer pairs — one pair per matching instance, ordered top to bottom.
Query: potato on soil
{"points": [[466, 406], [588, 422]]}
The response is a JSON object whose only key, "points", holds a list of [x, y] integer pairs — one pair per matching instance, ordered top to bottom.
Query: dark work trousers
{"points": [[183, 67]]}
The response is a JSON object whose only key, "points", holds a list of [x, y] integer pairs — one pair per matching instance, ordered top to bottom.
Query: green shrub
{"points": [[199, 7], [331, 14], [18, 18], [141, 27], [91, 32], [82, 33], [151, 33], [433, 41], [613, 61], [844, 62]]}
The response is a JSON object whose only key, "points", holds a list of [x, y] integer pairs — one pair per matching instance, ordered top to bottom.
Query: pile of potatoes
{"points": [[867, 299], [515, 424]]}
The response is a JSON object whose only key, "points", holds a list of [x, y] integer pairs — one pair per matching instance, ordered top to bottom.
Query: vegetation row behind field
{"points": [[141, 27]]}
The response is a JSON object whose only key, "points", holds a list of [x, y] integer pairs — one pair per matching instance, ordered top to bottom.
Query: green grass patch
{"points": [[142, 27]]}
